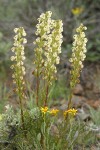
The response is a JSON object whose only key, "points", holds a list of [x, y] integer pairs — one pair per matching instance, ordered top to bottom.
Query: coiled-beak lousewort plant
{"points": [[48, 48], [78, 55], [18, 66]]}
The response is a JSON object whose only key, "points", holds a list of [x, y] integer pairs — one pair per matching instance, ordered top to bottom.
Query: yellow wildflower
{"points": [[77, 10], [44, 109], [54, 111], [70, 111], [0, 117]]}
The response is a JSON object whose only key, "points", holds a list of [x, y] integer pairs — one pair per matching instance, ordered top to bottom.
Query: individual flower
{"points": [[77, 10], [78, 54], [7, 107], [44, 110], [54, 111], [70, 111]]}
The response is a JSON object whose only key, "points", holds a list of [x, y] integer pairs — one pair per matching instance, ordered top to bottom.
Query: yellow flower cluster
{"points": [[77, 10], [78, 54], [18, 58], [44, 110], [54, 111], [70, 111]]}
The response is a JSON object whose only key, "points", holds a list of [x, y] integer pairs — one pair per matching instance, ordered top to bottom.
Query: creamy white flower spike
{"points": [[43, 29], [48, 45], [53, 50], [78, 54], [18, 66]]}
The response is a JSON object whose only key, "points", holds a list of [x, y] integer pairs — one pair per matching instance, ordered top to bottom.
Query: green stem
{"points": [[37, 89], [47, 90], [20, 92], [70, 99], [22, 114], [44, 144]]}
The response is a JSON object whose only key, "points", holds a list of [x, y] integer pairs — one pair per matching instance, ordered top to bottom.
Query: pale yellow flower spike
{"points": [[78, 54]]}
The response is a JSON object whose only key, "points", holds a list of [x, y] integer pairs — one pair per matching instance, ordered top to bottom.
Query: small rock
{"points": [[89, 85], [78, 90], [96, 90], [78, 101], [95, 104], [64, 106], [83, 115], [54, 130]]}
